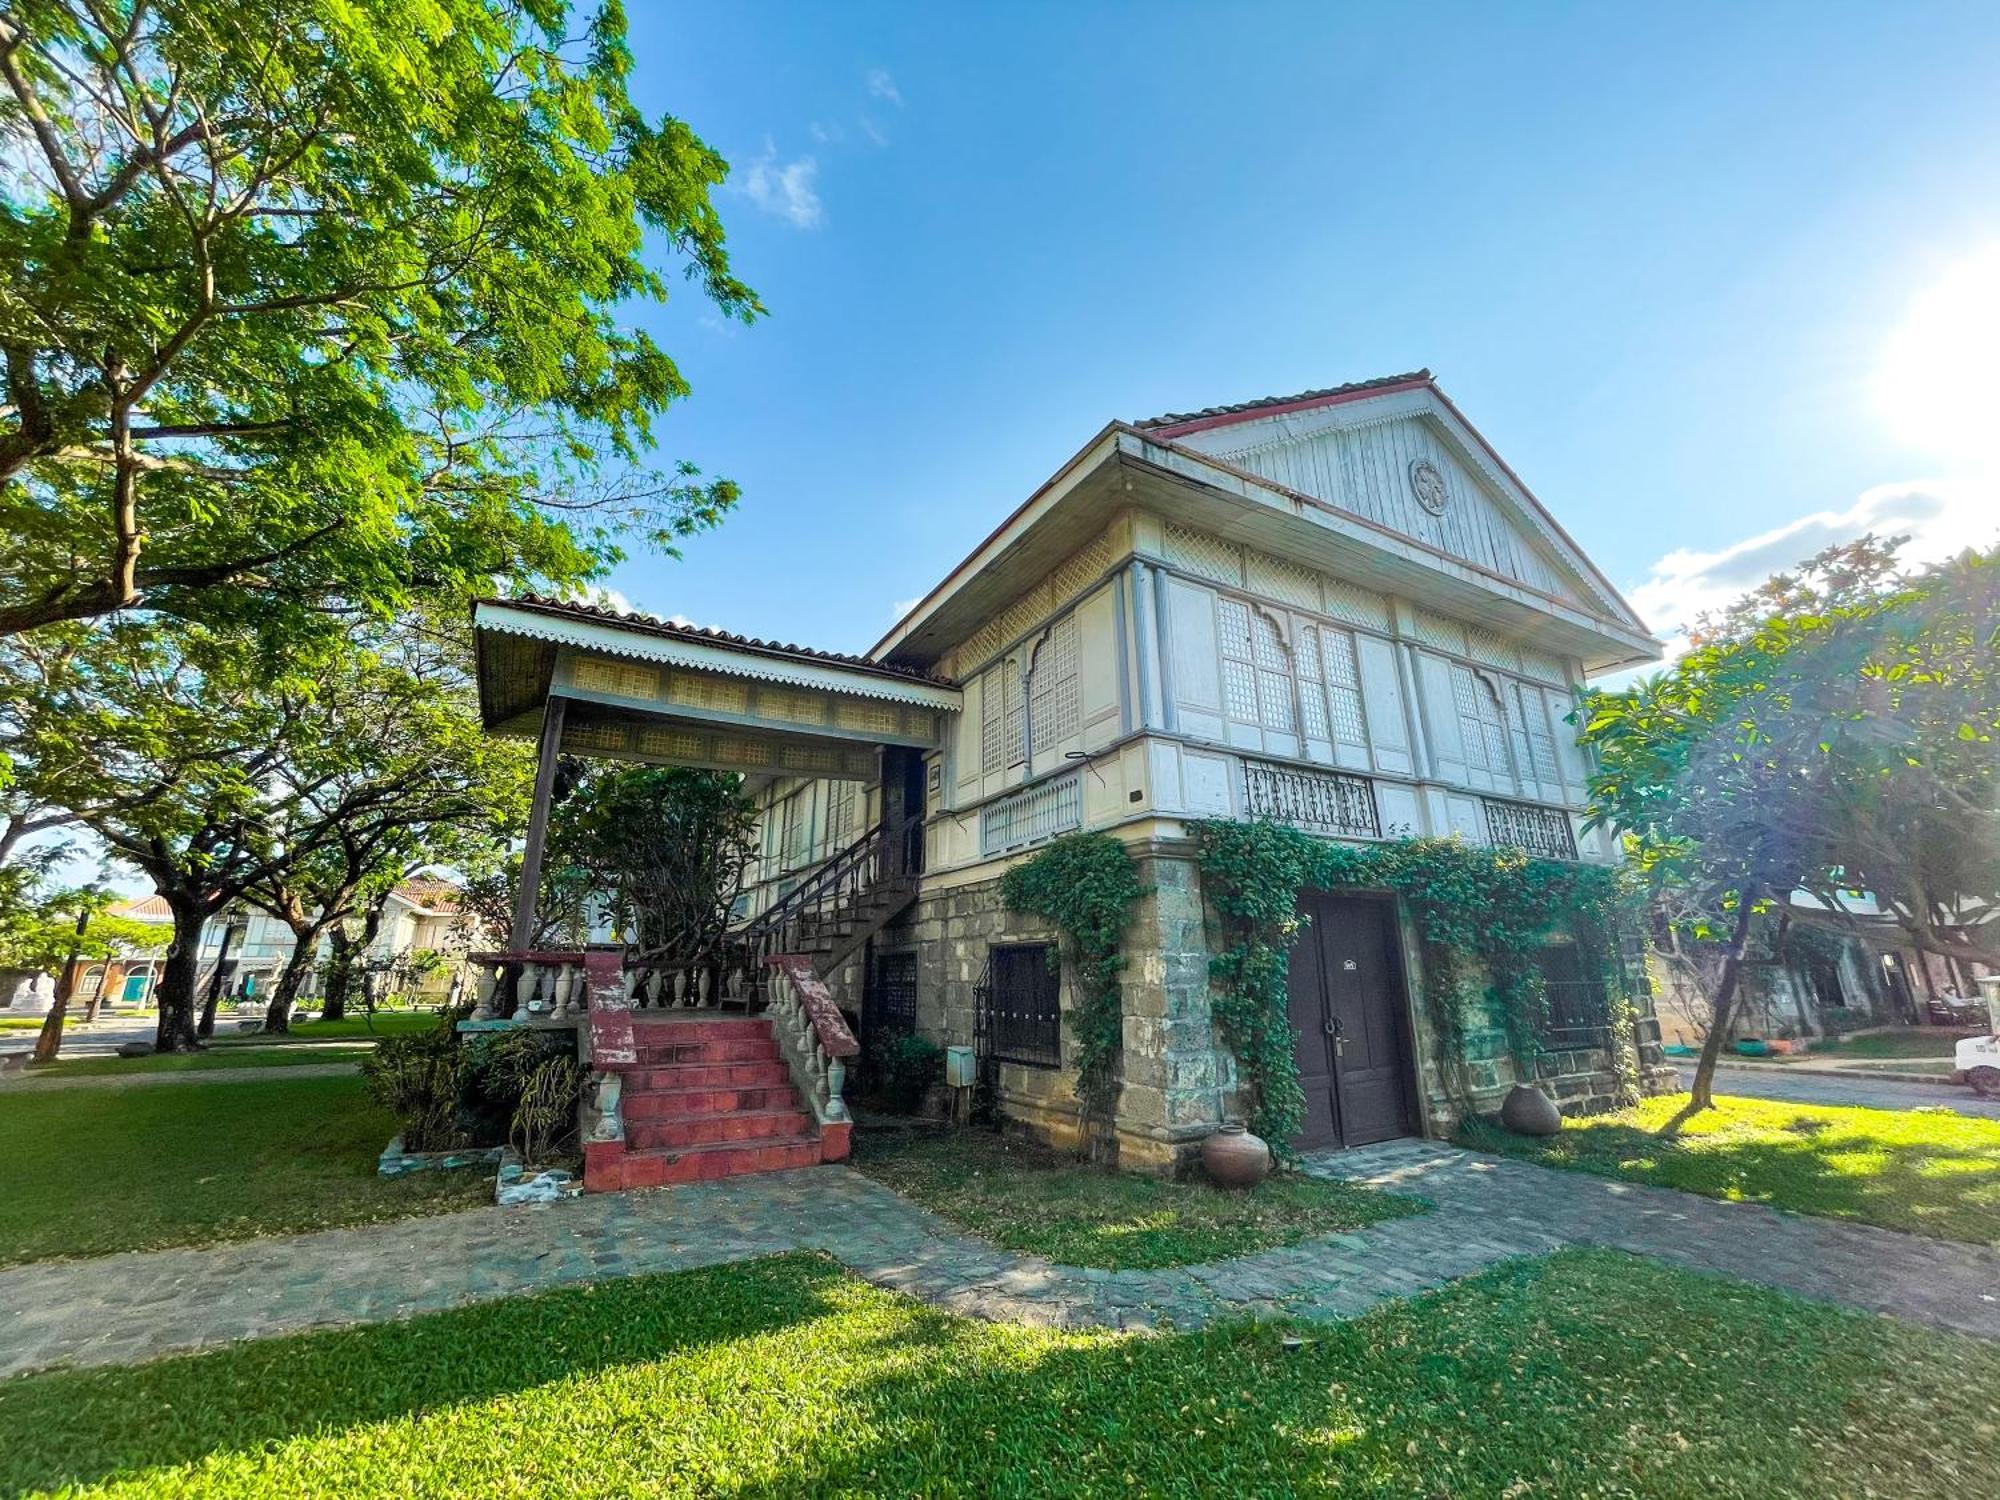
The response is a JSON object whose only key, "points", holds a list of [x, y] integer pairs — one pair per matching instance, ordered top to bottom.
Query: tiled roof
{"points": [[1176, 418], [655, 626], [430, 893], [144, 909]]}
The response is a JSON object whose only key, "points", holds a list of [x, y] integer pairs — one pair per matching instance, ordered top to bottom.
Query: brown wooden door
{"points": [[1347, 1007]]}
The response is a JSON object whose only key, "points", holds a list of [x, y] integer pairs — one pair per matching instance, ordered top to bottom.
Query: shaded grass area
{"points": [[350, 1028], [202, 1062], [91, 1171], [1926, 1171], [1027, 1198], [1584, 1373]]}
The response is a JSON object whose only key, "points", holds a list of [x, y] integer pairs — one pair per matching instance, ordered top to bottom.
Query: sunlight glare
{"points": [[1938, 384]]}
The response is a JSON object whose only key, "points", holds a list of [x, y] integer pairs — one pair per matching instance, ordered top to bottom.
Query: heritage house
{"points": [[1341, 611]]}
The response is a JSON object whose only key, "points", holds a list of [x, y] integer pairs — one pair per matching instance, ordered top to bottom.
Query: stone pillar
{"points": [[1177, 1076]]}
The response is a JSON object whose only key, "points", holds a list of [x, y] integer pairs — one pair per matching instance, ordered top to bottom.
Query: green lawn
{"points": [[353, 1028], [1923, 1041], [201, 1062], [90, 1171], [1928, 1171], [1027, 1198], [1585, 1373]]}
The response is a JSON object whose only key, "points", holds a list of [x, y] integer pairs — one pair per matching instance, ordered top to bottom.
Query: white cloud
{"points": [[882, 86], [825, 134], [877, 136], [784, 188], [1940, 517], [607, 598], [903, 606], [682, 622]]}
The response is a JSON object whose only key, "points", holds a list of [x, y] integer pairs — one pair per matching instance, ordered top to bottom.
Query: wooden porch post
{"points": [[546, 755]]}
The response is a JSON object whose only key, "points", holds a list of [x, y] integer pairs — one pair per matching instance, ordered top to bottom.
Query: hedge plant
{"points": [[1087, 885], [1492, 908]]}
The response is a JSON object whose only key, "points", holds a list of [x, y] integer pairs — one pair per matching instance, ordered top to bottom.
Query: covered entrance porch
{"points": [[707, 1064]]}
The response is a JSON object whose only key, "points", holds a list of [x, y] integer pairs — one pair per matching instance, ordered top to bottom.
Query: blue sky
{"points": [[1661, 257]]}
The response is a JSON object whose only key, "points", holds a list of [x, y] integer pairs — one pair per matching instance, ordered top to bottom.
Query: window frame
{"points": [[1023, 1010]]}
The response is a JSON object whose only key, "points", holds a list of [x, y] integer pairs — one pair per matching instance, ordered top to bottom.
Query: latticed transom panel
{"points": [[1202, 555], [1080, 572], [1278, 579], [1351, 604], [1025, 613], [1436, 630], [981, 645], [1494, 650], [1542, 668], [625, 679], [717, 694], [798, 708], [1056, 713], [868, 718], [595, 736], [673, 743], [743, 752], [813, 760]]}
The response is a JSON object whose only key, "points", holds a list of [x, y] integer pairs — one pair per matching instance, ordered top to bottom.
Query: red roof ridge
{"points": [[1213, 415]]}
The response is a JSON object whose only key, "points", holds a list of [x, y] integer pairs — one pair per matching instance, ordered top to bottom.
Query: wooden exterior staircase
{"points": [[839, 907]]}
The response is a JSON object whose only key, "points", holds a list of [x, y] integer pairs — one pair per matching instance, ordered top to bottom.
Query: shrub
{"points": [[908, 1065], [420, 1077], [524, 1087]]}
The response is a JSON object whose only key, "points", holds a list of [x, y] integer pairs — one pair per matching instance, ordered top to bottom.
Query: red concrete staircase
{"points": [[708, 1097]]}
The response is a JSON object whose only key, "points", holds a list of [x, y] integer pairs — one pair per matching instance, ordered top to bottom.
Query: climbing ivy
{"points": [[1087, 884], [1490, 908]]}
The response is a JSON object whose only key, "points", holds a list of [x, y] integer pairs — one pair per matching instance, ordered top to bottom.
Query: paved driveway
{"points": [[1775, 1081]]}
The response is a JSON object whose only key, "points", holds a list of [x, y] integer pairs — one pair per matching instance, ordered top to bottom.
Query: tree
{"points": [[316, 314], [1835, 731], [224, 777], [45, 930]]}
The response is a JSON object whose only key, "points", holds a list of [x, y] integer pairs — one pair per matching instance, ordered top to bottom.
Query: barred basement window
{"points": [[1024, 1004], [1579, 1011]]}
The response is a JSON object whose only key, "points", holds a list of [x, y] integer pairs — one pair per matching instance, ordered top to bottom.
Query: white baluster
{"points": [[634, 988], [680, 988], [701, 989], [524, 992], [559, 993], [483, 1011], [836, 1084]]}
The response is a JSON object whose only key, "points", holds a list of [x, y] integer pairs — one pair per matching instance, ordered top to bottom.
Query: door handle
{"points": [[1334, 1030]]}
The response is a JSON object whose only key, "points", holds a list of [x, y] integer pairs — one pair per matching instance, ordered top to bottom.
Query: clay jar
{"points": [[1235, 1158]]}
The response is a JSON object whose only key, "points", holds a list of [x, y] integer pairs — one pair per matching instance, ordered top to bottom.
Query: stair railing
{"points": [[835, 888]]}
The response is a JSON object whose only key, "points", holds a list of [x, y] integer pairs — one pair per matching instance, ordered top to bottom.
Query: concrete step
{"points": [[685, 1026], [655, 1052], [737, 1075], [679, 1104], [710, 1130], [650, 1167]]}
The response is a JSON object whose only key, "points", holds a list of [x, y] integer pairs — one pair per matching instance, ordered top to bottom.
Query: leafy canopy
{"points": [[318, 310]]}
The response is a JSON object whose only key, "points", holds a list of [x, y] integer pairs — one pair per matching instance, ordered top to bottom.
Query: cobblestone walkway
{"points": [[125, 1308]]}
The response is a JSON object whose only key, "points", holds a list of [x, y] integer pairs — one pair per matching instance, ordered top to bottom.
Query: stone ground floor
{"points": [[963, 970], [127, 1308]]}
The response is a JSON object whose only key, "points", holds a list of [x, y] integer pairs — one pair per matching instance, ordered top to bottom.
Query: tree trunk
{"points": [[339, 973], [176, 991], [278, 1014], [49, 1042], [1701, 1096]]}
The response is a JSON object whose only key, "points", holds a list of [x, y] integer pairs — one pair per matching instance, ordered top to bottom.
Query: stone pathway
{"points": [[1787, 1081], [39, 1083], [125, 1308]]}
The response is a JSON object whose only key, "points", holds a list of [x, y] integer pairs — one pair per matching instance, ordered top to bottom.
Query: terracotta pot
{"points": [[1529, 1111], [1233, 1157]]}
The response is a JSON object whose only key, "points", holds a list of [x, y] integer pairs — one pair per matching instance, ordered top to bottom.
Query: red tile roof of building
{"points": [[1247, 409]]}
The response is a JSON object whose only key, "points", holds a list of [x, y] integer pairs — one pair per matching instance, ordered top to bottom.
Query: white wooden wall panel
{"points": [[1196, 666], [1097, 670], [1382, 701], [1440, 711], [966, 743], [1569, 755], [1397, 807], [1465, 818]]}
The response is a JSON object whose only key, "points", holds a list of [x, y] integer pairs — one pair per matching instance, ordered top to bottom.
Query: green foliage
{"points": [[328, 312], [1087, 885], [1493, 908], [38, 924], [905, 1067], [420, 1078], [1023, 1196], [1583, 1373]]}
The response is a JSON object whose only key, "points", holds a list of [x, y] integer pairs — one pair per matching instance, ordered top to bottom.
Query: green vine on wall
{"points": [[1087, 885], [1493, 908]]}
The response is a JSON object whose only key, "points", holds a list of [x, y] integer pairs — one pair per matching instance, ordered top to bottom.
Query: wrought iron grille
{"points": [[1317, 801], [1539, 830], [1019, 1003], [1579, 1012]]}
